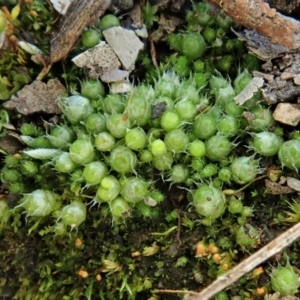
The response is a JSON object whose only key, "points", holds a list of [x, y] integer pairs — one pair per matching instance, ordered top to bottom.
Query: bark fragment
{"points": [[79, 14], [258, 15]]}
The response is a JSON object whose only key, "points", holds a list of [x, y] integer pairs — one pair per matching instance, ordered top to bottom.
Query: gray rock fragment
{"points": [[125, 44], [99, 59], [114, 76], [287, 113], [293, 183]]}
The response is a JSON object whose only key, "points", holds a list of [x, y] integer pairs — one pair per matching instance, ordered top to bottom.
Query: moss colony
{"points": [[115, 200]]}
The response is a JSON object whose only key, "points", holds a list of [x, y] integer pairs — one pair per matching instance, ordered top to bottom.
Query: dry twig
{"points": [[224, 281]]}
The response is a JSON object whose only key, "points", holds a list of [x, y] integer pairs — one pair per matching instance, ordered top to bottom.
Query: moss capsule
{"points": [[92, 89], [114, 104], [75, 108], [95, 123], [117, 125], [204, 126], [61, 137], [136, 138], [104, 141], [176, 141], [266, 143], [218, 147], [197, 148], [82, 152], [289, 154], [123, 160], [163, 162], [64, 164], [244, 169], [94, 172], [109, 189], [134, 189], [209, 202], [40, 203], [73, 214], [285, 280]]}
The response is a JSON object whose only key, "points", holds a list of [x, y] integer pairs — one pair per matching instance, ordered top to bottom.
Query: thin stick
{"points": [[152, 51], [277, 245]]}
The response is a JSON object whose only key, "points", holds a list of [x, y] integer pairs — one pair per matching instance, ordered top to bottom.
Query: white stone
{"points": [[125, 44], [114, 76], [120, 87]]}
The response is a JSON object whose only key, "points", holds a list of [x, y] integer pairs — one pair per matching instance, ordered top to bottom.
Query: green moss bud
{"points": [[203, 14], [108, 21], [223, 21], [209, 34], [90, 38], [192, 45], [225, 63], [198, 65], [181, 66], [114, 104], [75, 108], [185, 109], [139, 111], [263, 119], [170, 120], [95, 123], [118, 124], [204, 126], [229, 126], [29, 129], [61, 137], [136, 138], [104, 141], [176, 141], [41, 142], [266, 143], [218, 147], [197, 149], [82, 152], [289, 154], [146, 156], [12, 160], [123, 160], [163, 162], [198, 163], [29, 168], [244, 169], [208, 171], [94, 172], [179, 173], [225, 174], [9, 175], [16, 188], [109, 189], [134, 189], [157, 195], [209, 202], [40, 203], [235, 206], [120, 208], [4, 211], [247, 212], [73, 214], [247, 235], [285, 280], [221, 296]]}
